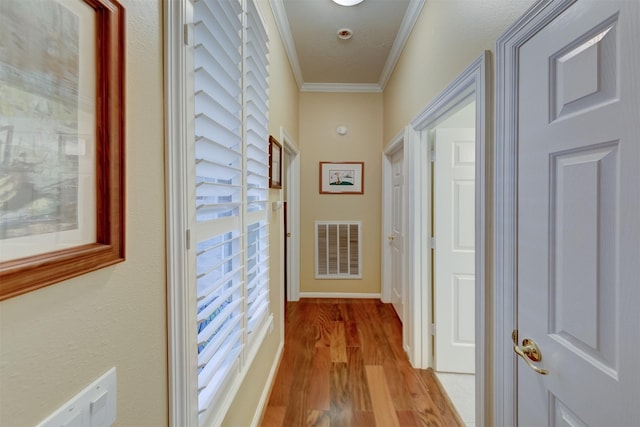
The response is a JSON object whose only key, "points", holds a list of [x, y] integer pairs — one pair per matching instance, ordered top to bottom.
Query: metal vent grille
{"points": [[338, 250]]}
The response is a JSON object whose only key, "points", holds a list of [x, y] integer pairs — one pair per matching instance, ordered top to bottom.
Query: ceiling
{"points": [[322, 62]]}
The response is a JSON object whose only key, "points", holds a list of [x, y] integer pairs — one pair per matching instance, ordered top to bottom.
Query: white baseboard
{"points": [[338, 295], [266, 392]]}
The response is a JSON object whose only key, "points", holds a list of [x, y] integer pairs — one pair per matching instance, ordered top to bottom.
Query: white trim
{"points": [[409, 20], [282, 22], [474, 82], [341, 87], [505, 212], [293, 215], [418, 236], [385, 271], [338, 295], [266, 392], [183, 398]]}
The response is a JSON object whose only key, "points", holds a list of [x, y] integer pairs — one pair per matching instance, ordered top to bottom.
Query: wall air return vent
{"points": [[338, 250]]}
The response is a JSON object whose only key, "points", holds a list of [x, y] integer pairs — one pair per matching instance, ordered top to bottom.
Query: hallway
{"points": [[343, 365]]}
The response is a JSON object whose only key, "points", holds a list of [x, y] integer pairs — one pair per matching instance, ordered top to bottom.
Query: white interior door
{"points": [[578, 223], [396, 239], [454, 264]]}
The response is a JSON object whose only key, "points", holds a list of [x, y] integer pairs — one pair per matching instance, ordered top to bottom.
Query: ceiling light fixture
{"points": [[347, 2]]}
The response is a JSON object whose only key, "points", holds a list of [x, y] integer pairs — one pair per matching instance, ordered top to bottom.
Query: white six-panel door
{"points": [[578, 221], [396, 239], [454, 264]]}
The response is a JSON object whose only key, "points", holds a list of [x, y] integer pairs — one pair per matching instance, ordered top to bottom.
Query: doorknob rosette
{"points": [[529, 352]]}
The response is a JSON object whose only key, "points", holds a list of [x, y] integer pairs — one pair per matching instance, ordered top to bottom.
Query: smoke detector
{"points": [[344, 33]]}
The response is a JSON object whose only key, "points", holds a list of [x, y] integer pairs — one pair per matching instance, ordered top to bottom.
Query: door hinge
{"points": [[187, 34], [432, 155], [188, 238], [432, 242], [433, 329]]}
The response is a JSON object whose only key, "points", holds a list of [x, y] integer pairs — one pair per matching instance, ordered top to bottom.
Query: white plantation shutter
{"points": [[256, 111], [257, 139], [218, 194], [231, 196], [257, 276]]}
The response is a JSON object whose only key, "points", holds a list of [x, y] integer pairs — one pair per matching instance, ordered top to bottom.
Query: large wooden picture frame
{"points": [[62, 162]]}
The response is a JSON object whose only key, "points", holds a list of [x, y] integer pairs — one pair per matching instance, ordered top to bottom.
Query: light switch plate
{"points": [[95, 406]]}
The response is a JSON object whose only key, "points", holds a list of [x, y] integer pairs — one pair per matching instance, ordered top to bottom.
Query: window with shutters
{"points": [[231, 228]]}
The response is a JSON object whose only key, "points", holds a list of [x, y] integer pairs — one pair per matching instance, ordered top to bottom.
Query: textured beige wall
{"points": [[448, 36], [283, 111], [320, 114], [57, 340]]}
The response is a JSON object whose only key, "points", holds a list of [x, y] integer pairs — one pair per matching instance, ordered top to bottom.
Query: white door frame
{"points": [[475, 81], [395, 145], [505, 207], [293, 215]]}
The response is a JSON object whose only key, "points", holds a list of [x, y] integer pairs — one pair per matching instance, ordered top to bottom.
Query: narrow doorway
{"points": [[453, 151]]}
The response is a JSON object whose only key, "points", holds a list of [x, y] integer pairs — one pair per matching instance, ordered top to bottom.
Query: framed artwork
{"points": [[61, 141], [275, 163], [341, 177]]}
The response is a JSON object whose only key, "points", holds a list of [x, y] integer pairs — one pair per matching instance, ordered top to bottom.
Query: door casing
{"points": [[474, 81], [292, 171], [505, 203]]}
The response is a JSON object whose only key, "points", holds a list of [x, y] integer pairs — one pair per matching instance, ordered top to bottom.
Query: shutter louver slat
{"points": [[225, 90], [213, 303], [212, 326], [223, 333], [208, 372], [212, 391]]}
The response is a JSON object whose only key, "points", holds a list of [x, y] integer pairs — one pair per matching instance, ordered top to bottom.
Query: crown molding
{"points": [[409, 20], [282, 22], [342, 87]]}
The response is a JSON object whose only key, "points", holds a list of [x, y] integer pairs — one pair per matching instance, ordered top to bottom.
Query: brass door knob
{"points": [[529, 352]]}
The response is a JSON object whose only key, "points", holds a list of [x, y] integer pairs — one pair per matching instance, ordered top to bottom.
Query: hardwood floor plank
{"points": [[351, 334], [338, 343], [343, 365], [357, 381], [319, 390], [400, 393], [340, 400], [442, 403], [383, 409], [274, 416], [318, 419], [364, 419], [408, 419]]}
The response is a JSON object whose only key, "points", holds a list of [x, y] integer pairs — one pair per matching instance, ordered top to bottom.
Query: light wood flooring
{"points": [[343, 365]]}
